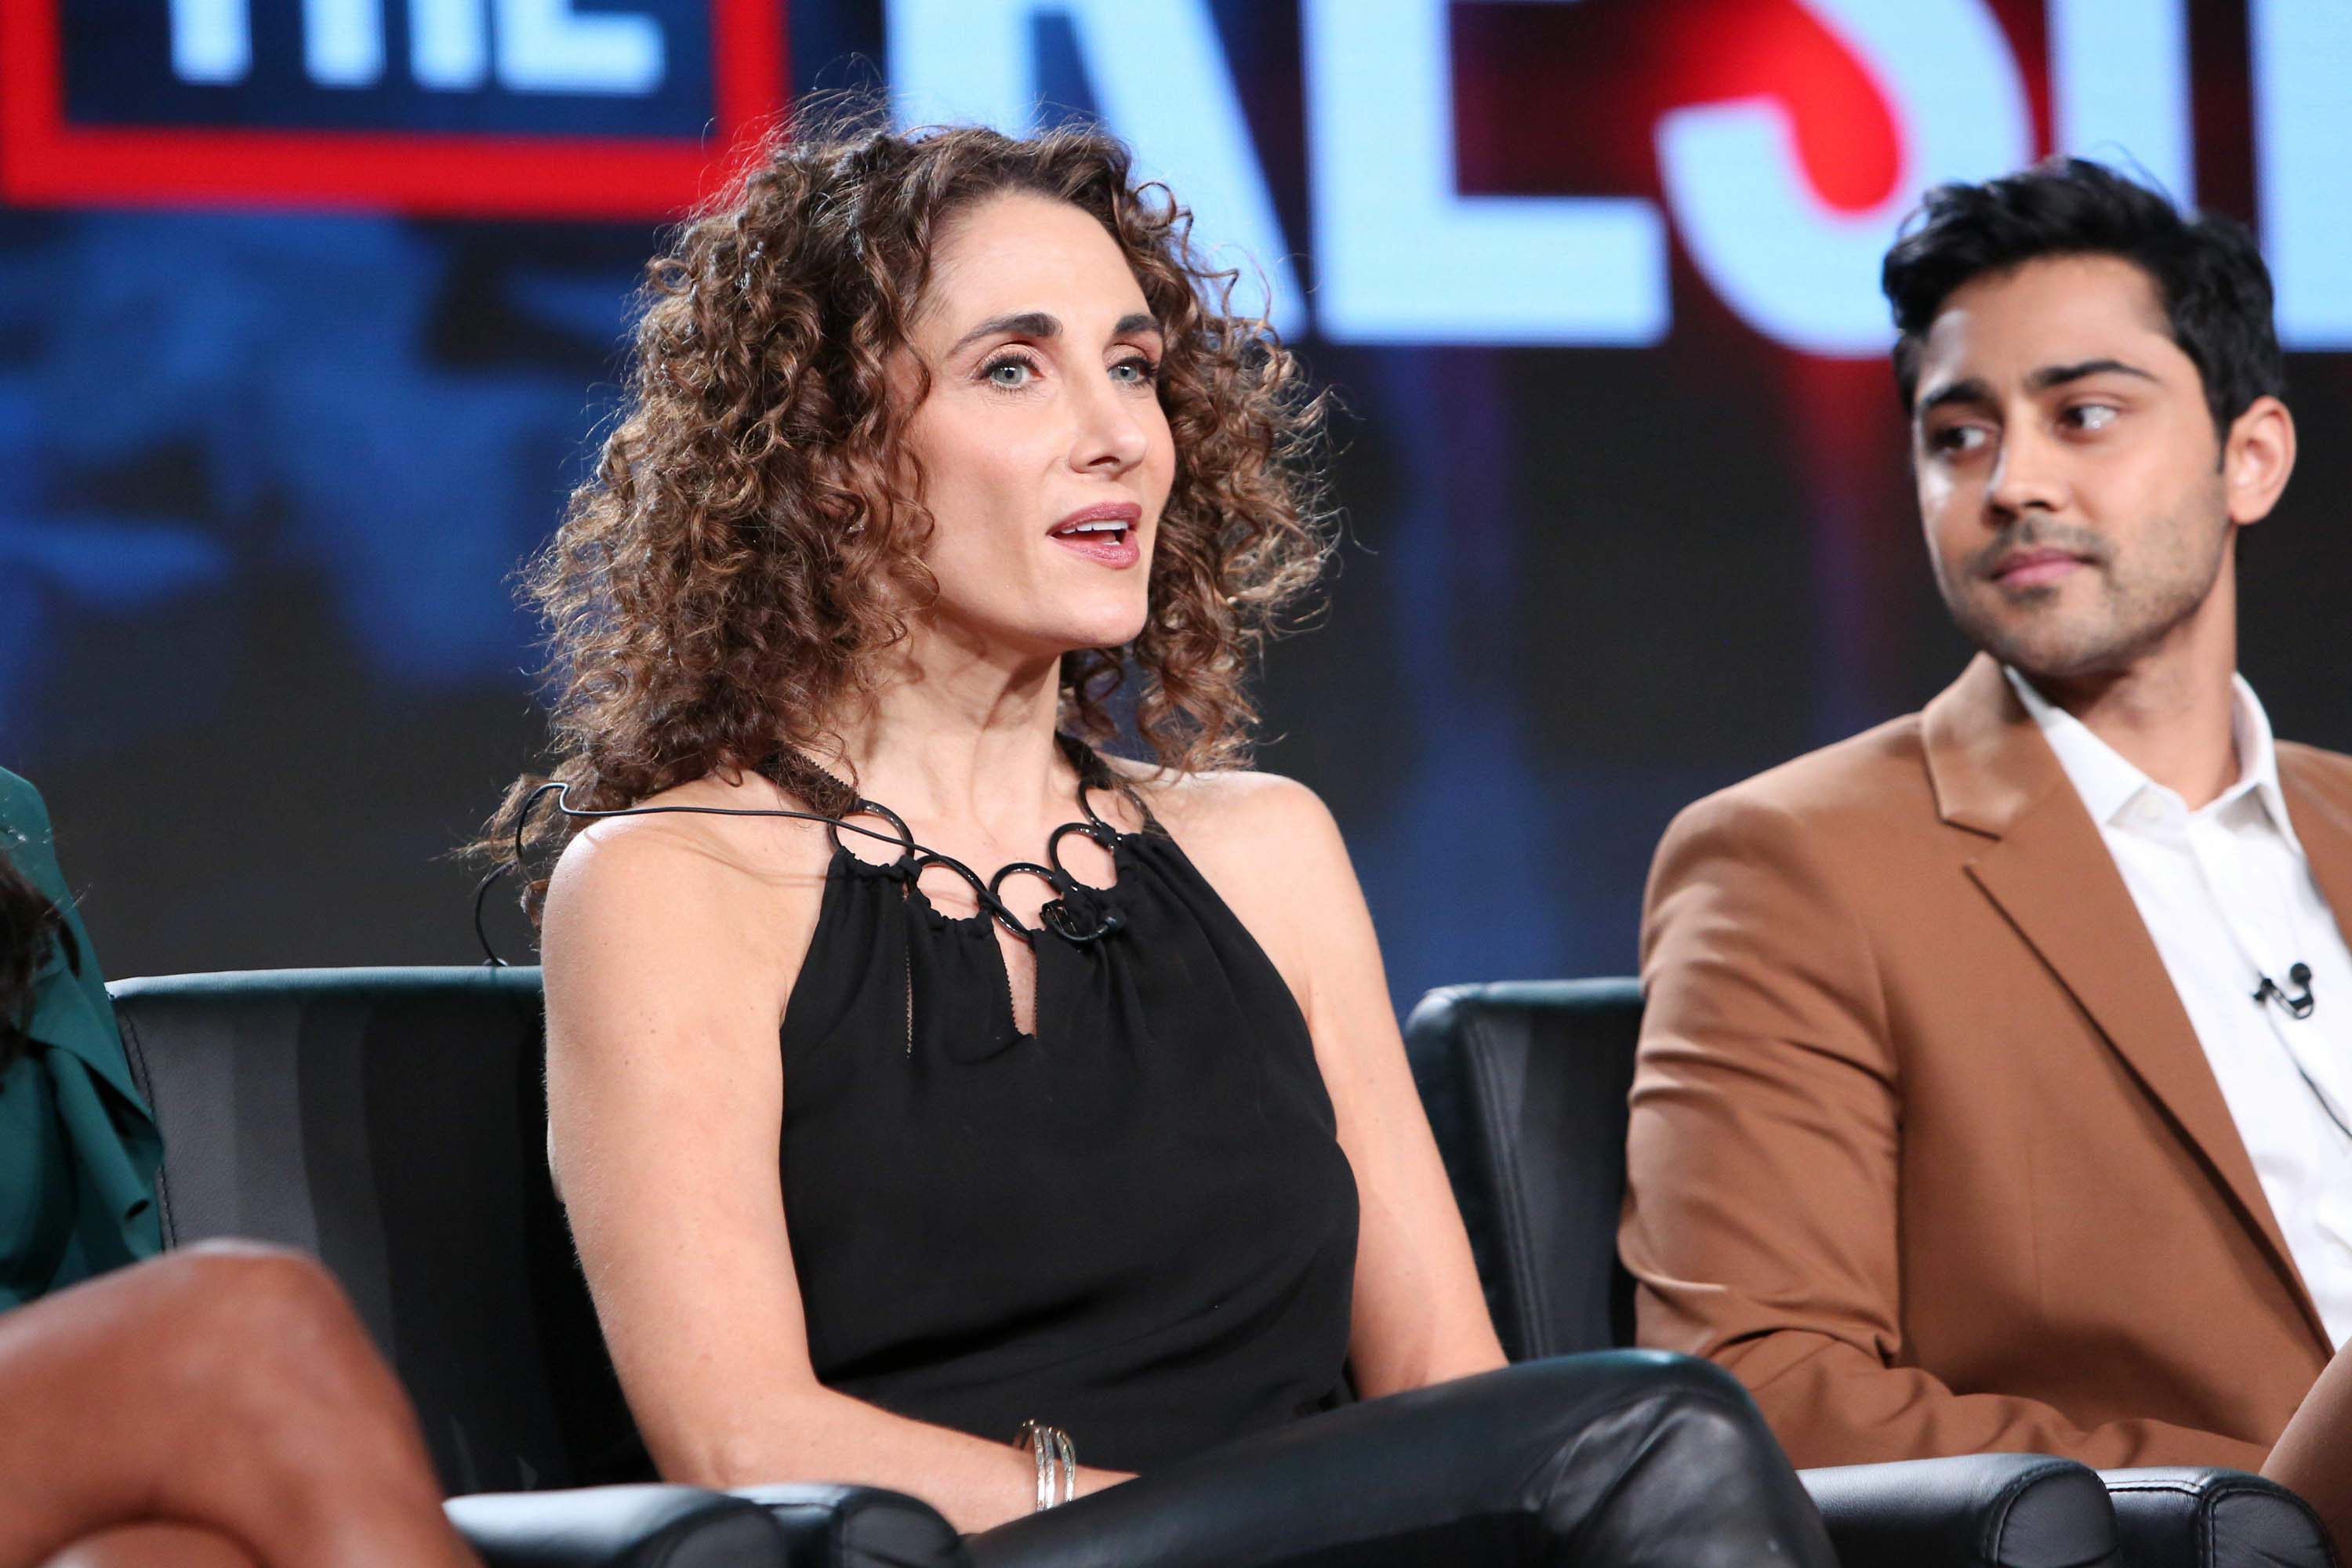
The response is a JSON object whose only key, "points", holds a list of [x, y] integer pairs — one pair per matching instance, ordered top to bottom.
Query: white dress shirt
{"points": [[2228, 895]]}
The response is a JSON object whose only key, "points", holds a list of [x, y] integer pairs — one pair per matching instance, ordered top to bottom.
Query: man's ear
{"points": [[2257, 459]]}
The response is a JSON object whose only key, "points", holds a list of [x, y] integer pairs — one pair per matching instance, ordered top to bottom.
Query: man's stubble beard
{"points": [[2165, 588]]}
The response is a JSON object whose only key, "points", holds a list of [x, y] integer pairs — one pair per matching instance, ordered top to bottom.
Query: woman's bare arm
{"points": [[1271, 848], [670, 951]]}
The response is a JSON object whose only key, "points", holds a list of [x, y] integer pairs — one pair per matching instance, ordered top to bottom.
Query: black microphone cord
{"points": [[2303, 1006]]}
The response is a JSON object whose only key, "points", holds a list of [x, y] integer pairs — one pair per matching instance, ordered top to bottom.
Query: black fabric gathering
{"points": [[1135, 1224]]}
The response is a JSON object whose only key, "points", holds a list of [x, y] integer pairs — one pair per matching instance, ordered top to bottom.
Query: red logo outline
{"points": [[47, 161]]}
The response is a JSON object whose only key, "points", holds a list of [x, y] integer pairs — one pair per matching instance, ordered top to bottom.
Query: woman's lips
{"points": [[1103, 533], [1115, 550]]}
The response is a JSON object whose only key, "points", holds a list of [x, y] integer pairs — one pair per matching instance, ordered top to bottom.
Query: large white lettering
{"points": [[212, 41], [342, 42], [448, 44], [544, 47], [1158, 76], [2119, 88], [2302, 127], [1400, 256], [1793, 266]]}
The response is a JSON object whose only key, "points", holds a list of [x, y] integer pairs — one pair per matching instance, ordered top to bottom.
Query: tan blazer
{"points": [[1923, 1147]]}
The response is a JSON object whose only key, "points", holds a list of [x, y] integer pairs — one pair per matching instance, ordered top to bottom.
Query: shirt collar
{"points": [[2107, 783]]}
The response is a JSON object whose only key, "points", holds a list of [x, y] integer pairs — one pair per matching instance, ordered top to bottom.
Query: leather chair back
{"points": [[1526, 1084], [392, 1121]]}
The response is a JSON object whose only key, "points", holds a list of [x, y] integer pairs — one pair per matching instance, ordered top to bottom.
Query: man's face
{"points": [[2071, 482]]}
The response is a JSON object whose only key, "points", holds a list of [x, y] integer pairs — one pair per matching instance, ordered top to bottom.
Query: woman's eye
{"points": [[1136, 371], [1011, 372]]}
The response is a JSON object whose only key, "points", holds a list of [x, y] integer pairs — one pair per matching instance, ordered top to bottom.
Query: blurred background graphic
{"points": [[309, 310]]}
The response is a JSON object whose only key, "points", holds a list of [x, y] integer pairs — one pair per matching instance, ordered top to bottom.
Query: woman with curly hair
{"points": [[1066, 1112]]}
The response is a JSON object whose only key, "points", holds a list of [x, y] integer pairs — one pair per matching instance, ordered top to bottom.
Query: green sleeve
{"points": [[101, 1140]]}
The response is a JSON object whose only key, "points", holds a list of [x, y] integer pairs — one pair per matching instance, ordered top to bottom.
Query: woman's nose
{"points": [[1110, 433]]}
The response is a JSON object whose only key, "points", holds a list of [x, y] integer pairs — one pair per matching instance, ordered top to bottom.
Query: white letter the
{"points": [[211, 40], [342, 42], [448, 44], [543, 46]]}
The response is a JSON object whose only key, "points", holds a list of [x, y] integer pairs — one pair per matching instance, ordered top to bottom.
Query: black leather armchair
{"points": [[1525, 1085], [392, 1122], [619, 1527]]}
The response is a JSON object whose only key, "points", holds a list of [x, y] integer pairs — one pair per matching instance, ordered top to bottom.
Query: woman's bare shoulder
{"points": [[1266, 821], [1270, 848], [696, 853]]}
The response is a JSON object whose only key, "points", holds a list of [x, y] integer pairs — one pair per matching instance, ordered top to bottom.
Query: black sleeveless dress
{"points": [[1135, 1224]]}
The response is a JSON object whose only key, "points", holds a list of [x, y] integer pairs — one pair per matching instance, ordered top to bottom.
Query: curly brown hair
{"points": [[753, 531]]}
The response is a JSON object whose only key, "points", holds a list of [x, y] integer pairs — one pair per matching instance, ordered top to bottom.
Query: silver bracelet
{"points": [[1057, 1462]]}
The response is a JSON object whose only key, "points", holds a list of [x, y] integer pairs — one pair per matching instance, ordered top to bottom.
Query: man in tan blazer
{"points": [[1960, 1124]]}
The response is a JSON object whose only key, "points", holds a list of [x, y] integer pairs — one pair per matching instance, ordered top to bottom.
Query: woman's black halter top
{"points": [[1135, 1223]]}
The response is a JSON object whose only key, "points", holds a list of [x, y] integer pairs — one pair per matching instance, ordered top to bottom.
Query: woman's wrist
{"points": [[1092, 1480]]}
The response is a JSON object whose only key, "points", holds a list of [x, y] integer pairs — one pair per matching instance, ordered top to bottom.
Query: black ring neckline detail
{"points": [[1056, 914]]}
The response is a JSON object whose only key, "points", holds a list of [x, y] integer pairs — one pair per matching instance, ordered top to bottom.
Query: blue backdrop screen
{"points": [[309, 313]]}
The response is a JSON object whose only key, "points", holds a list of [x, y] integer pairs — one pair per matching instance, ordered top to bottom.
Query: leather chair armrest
{"points": [[1975, 1510], [2193, 1517], [859, 1526], [619, 1527]]}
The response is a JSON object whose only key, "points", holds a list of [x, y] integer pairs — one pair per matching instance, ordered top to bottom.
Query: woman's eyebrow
{"points": [[1020, 324], [1040, 324]]}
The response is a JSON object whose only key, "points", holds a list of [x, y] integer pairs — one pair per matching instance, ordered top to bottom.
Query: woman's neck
{"points": [[959, 733]]}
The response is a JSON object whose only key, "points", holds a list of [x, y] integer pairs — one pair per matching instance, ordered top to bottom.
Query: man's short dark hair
{"points": [[2208, 273]]}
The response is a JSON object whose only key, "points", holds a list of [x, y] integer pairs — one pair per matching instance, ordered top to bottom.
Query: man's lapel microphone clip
{"points": [[2297, 1006]]}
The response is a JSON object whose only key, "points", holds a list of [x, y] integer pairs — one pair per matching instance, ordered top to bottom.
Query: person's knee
{"points": [[265, 1277], [274, 1309], [195, 1326], [265, 1337], [270, 1348], [1634, 1377], [1691, 1379], [1684, 1393], [1637, 1408], [1667, 1454], [155, 1546]]}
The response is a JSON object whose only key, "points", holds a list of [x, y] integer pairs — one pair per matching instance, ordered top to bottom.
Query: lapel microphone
{"points": [[2296, 1006]]}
